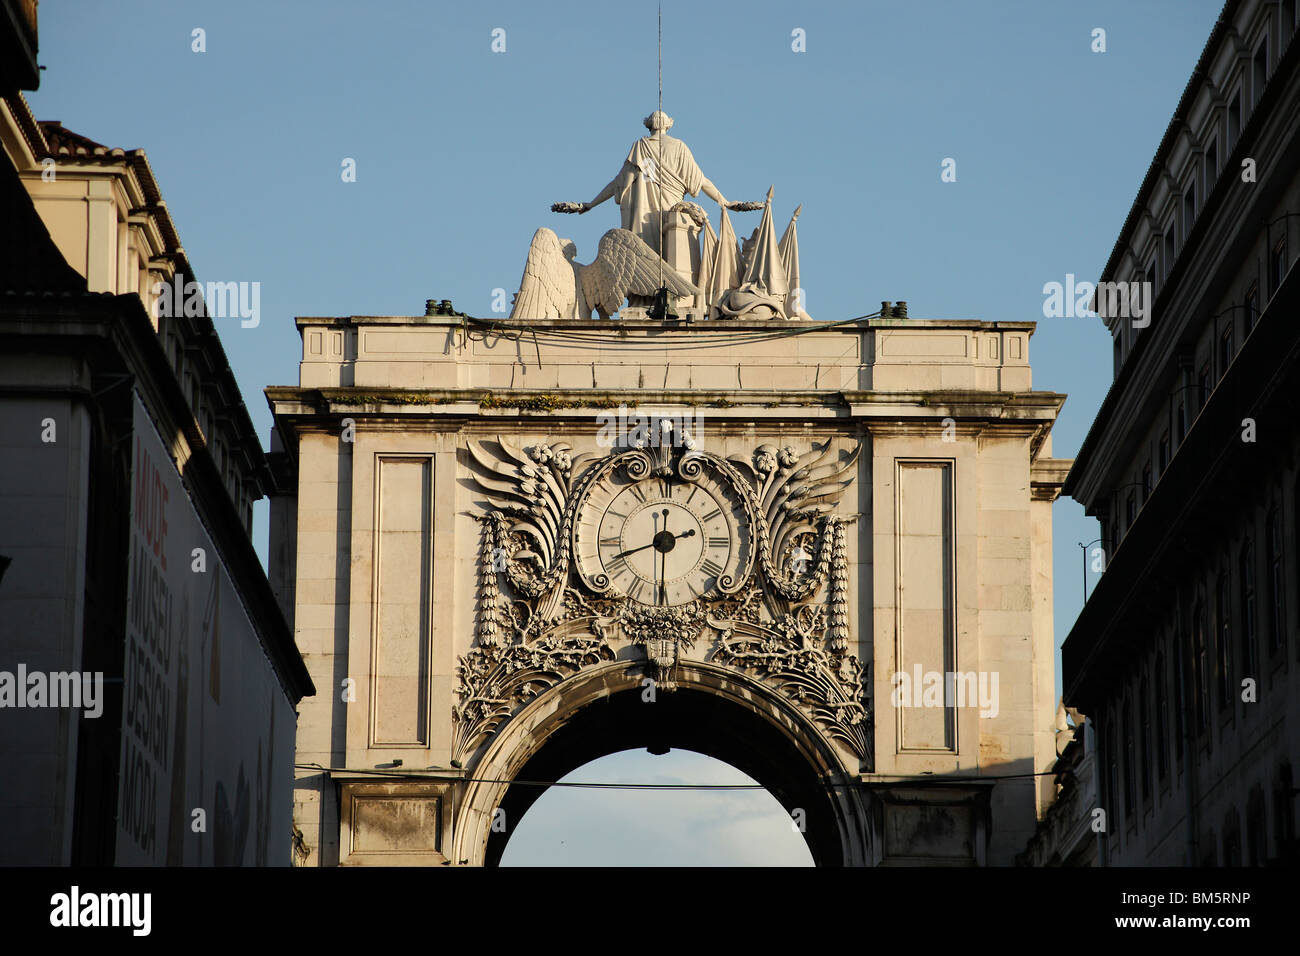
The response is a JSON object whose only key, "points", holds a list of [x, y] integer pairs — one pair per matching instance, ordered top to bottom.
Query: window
{"points": [[1287, 26], [1260, 78], [1234, 120], [1211, 167], [1189, 209], [1171, 248], [1276, 265], [1153, 279], [1251, 306], [1225, 348], [1119, 353], [1203, 384], [1180, 422], [1162, 455], [1146, 482], [1130, 511], [1295, 517], [1276, 584], [1224, 596], [1249, 648], [1201, 668], [1178, 694], [1144, 712], [1162, 729], [1129, 737], [1112, 767], [1283, 821], [1256, 837], [1232, 839], [1209, 850]]}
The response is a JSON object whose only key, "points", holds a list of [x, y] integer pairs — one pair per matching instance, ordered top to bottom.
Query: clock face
{"points": [[661, 541]]}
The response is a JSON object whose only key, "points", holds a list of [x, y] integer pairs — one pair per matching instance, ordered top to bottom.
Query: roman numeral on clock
{"points": [[638, 493], [711, 515], [719, 541], [609, 542], [711, 567], [636, 590]]}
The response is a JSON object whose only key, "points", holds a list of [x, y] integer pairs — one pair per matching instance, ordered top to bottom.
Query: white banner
{"points": [[207, 731]]}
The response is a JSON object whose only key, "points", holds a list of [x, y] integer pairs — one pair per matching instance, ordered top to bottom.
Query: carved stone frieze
{"points": [[782, 616]]}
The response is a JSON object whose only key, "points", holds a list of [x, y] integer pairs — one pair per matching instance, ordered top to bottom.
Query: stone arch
{"points": [[714, 710]]}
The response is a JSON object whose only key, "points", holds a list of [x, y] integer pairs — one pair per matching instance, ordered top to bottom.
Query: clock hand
{"points": [[684, 534], [624, 554], [663, 564], [659, 588]]}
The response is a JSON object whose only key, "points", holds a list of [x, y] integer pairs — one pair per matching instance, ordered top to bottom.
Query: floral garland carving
{"points": [[663, 632], [789, 654], [494, 682]]}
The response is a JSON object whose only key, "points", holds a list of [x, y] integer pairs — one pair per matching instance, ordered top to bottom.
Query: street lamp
{"points": [[1085, 548]]}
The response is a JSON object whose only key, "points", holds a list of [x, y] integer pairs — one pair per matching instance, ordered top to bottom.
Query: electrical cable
{"points": [[699, 337], [909, 779]]}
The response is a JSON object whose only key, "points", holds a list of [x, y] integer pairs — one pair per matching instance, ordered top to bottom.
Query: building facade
{"points": [[467, 541], [1186, 656], [148, 681], [1068, 833]]}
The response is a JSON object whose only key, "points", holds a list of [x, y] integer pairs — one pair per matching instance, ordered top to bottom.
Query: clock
{"points": [[663, 540]]}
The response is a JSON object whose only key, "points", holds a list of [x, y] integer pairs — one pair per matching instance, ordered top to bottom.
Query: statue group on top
{"points": [[666, 259]]}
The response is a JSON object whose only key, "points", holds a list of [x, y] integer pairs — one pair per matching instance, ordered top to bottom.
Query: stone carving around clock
{"points": [[662, 553]]}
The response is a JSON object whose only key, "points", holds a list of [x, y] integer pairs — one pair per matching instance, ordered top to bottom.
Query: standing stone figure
{"points": [[658, 173]]}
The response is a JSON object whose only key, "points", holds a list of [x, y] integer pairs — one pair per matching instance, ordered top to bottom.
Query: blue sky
{"points": [[460, 151]]}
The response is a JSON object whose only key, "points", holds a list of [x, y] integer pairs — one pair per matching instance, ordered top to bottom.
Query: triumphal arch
{"points": [[817, 550]]}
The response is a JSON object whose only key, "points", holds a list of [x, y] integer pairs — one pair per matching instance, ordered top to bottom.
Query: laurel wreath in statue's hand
{"points": [[569, 207]]}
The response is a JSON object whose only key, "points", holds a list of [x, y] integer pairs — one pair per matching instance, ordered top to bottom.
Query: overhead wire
{"points": [[700, 338], [450, 777]]}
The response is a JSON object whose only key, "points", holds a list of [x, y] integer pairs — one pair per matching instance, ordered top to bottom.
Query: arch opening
{"points": [[713, 712], [577, 826]]}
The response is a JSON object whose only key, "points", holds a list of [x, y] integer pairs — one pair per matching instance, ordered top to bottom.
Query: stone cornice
{"points": [[879, 409], [1047, 477]]}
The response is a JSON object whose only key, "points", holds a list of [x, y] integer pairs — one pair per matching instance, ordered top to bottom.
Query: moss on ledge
{"points": [[400, 398], [536, 403], [550, 403]]}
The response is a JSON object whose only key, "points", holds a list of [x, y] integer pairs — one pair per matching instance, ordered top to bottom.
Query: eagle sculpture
{"points": [[554, 286]]}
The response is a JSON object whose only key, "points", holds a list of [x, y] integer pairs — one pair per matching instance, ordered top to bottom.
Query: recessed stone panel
{"points": [[925, 589], [399, 677]]}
